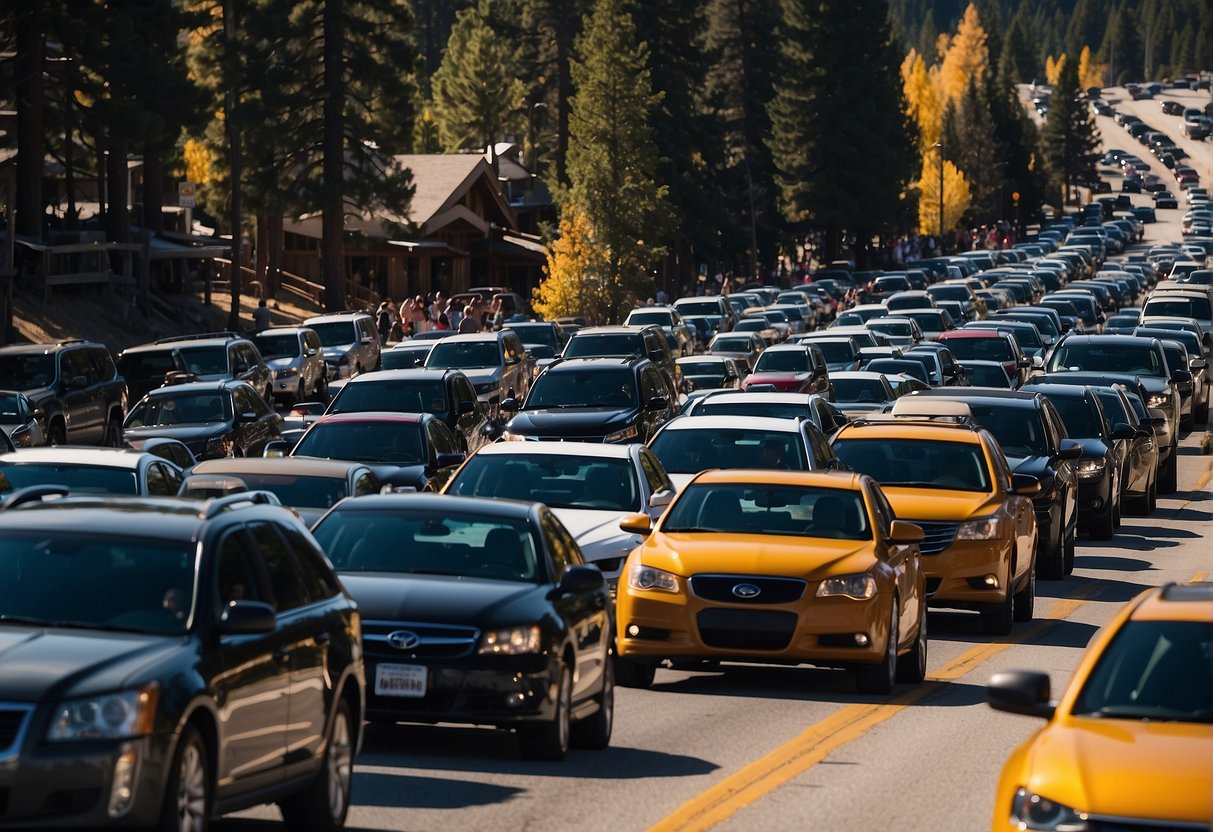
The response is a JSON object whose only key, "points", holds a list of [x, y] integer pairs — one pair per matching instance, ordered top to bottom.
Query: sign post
{"points": [[186, 198]]}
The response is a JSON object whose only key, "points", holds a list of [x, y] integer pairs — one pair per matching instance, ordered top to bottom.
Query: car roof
{"points": [[336, 316], [615, 329], [282, 330], [971, 333], [471, 337], [1115, 340], [156, 346], [798, 346], [47, 348], [707, 356], [570, 364], [418, 373], [855, 374], [199, 387], [1071, 390], [770, 397], [1013, 397], [374, 416], [755, 423], [894, 427], [562, 449], [85, 456], [300, 465], [824, 479], [442, 505], [163, 517], [1176, 602]]}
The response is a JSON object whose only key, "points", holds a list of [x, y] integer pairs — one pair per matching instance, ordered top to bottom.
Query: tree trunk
{"points": [[31, 57], [235, 161], [153, 189], [72, 215], [117, 220], [332, 239]]}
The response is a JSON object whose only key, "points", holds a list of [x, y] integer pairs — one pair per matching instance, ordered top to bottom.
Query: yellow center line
{"points": [[1198, 576], [845, 725]]}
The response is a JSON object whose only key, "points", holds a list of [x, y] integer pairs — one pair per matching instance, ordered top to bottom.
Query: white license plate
{"points": [[400, 680]]}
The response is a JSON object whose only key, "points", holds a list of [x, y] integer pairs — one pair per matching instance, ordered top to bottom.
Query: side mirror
{"points": [[366, 339], [1025, 362], [1037, 362], [1197, 364], [239, 369], [1181, 376], [657, 403], [509, 404], [465, 407], [247, 416], [1123, 431], [276, 449], [1069, 450], [448, 459], [1025, 485], [661, 499], [637, 524], [903, 531], [580, 579], [247, 618], [1021, 692]]}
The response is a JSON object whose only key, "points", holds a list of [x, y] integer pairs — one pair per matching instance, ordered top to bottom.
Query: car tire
{"points": [[322, 385], [113, 433], [56, 434], [1170, 474], [1152, 496], [1116, 519], [1104, 527], [1071, 545], [1051, 563], [1025, 600], [998, 617], [912, 667], [634, 674], [881, 677], [594, 731], [550, 740], [188, 797], [323, 803]]}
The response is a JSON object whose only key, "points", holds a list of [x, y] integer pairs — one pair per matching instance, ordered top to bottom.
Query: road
{"points": [[776, 748]]}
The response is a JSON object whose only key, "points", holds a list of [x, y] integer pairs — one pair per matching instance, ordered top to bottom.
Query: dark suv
{"points": [[625, 342], [210, 356], [78, 395], [595, 400], [154, 649]]}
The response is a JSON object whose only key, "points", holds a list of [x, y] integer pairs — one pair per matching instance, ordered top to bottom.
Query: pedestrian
{"points": [[454, 313], [418, 315], [496, 315], [261, 317], [406, 318], [383, 321], [443, 322], [470, 323]]}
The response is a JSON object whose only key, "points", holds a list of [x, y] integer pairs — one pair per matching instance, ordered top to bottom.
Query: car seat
{"points": [[721, 510], [503, 549]]}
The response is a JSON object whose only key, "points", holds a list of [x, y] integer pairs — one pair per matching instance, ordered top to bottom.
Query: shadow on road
{"points": [[1110, 562], [405, 791]]}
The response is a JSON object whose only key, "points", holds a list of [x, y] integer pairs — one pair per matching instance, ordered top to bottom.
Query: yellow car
{"points": [[947, 475], [775, 566], [1130, 744]]}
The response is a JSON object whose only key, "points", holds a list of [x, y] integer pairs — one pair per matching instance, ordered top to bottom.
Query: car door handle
{"points": [[282, 655]]}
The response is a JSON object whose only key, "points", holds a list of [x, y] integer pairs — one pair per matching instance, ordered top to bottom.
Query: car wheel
{"points": [[322, 385], [300, 392], [57, 434], [113, 434], [1170, 474], [1152, 496], [1116, 512], [1104, 527], [1071, 544], [1051, 563], [1025, 599], [996, 618], [912, 667], [634, 674], [881, 677], [595, 730], [550, 741], [187, 795], [323, 803]]}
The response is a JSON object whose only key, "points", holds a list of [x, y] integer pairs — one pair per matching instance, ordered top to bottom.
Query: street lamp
{"points": [[939, 150]]}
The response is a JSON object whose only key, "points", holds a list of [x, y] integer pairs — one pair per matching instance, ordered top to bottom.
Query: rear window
{"points": [[614, 345], [1108, 358], [394, 396], [769, 510]]}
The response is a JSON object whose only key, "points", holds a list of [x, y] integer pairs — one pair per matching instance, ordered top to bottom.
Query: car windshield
{"points": [[960, 293], [1178, 308], [642, 318], [927, 319], [1043, 322], [336, 333], [741, 344], [278, 345], [605, 345], [981, 349], [836, 351], [464, 355], [1120, 357], [405, 358], [204, 361], [784, 361], [146, 365], [702, 368], [27, 371], [987, 374], [614, 388], [859, 390], [392, 395], [181, 409], [774, 410], [1080, 416], [1019, 430], [390, 442], [689, 451], [918, 463], [94, 479], [563, 481], [298, 491], [796, 511], [415, 541], [89, 581], [1156, 670]]}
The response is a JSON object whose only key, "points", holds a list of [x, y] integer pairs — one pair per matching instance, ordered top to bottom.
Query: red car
{"points": [[989, 345], [790, 368]]}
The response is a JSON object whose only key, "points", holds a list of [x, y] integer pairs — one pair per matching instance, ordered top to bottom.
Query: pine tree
{"points": [[553, 25], [1122, 50], [967, 56], [1017, 62], [478, 97], [843, 141], [1069, 141], [980, 155], [613, 157]]}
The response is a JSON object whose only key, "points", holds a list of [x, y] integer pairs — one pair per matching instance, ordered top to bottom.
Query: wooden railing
{"points": [[356, 296]]}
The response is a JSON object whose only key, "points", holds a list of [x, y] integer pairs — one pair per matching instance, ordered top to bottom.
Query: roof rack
{"points": [[198, 337], [34, 494], [242, 499], [1202, 591]]}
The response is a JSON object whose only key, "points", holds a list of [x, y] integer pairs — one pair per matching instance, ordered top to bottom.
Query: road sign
{"points": [[186, 194]]}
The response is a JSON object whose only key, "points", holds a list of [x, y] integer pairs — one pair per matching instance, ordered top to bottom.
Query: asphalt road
{"points": [[775, 748]]}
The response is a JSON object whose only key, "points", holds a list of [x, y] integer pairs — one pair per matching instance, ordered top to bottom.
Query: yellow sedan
{"points": [[775, 566], [1130, 743]]}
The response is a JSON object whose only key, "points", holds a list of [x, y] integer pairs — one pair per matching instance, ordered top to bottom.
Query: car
{"points": [[1165, 199], [1193, 301], [714, 307], [973, 307], [667, 317], [931, 322], [1122, 323], [757, 324], [901, 331], [542, 339], [351, 342], [625, 342], [1034, 344], [989, 345], [841, 353], [406, 354], [209, 356], [296, 357], [496, 363], [1198, 365], [942, 366], [889, 367], [790, 368], [701, 372], [988, 374], [861, 391], [1189, 391], [77, 394], [446, 394], [594, 400], [812, 406], [212, 418], [19, 421], [690, 444], [173, 450], [403, 450], [114, 471], [946, 474], [308, 486], [588, 487], [839, 583], [504, 623], [163, 643], [1143, 683]]}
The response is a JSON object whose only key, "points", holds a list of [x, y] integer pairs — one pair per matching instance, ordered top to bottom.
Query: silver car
{"points": [[351, 342], [296, 356]]}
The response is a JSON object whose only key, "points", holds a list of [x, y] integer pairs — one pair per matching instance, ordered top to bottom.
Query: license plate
{"points": [[407, 680]]}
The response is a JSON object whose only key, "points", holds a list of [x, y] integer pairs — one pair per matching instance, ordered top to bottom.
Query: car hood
{"points": [[339, 351], [284, 363], [483, 375], [569, 421], [939, 503], [598, 530], [758, 554], [439, 599], [53, 663], [1120, 767]]}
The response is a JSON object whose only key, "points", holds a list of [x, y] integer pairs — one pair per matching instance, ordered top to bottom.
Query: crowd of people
{"points": [[436, 312]]}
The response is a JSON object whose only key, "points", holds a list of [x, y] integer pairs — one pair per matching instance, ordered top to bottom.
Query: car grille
{"points": [[935, 536], [770, 590], [746, 629], [435, 641], [12, 718], [1113, 824]]}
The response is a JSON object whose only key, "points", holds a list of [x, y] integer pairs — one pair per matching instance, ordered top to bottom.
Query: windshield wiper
{"points": [[1161, 714]]}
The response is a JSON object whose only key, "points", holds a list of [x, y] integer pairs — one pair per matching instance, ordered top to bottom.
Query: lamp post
{"points": [[939, 150]]}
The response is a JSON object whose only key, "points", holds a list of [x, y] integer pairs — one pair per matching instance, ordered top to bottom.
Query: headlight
{"points": [[287, 371], [488, 387], [1159, 400], [630, 432], [22, 437], [1089, 469], [981, 528], [646, 577], [859, 587], [512, 641], [112, 716], [1031, 811]]}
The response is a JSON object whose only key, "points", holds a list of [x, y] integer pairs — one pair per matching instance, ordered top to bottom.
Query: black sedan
{"points": [[212, 418], [477, 611]]}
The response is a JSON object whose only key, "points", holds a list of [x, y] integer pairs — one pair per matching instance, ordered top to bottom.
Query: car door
{"points": [[81, 397], [264, 426], [472, 427], [441, 442], [658, 485], [1019, 510], [903, 560], [584, 614]]}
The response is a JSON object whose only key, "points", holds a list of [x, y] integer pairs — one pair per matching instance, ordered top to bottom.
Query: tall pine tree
{"points": [[1069, 142]]}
